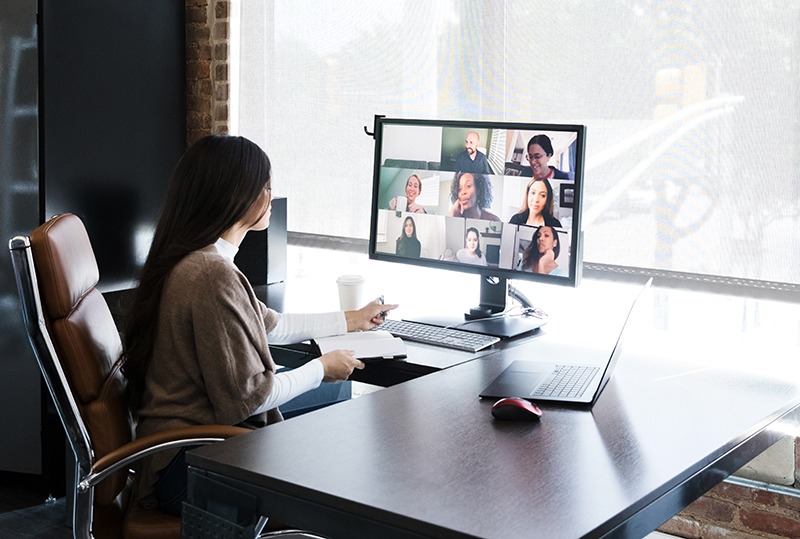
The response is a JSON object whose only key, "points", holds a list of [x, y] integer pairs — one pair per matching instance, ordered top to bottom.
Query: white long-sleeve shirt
{"points": [[294, 328]]}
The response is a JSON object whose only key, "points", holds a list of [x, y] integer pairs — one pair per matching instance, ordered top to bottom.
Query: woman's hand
{"points": [[393, 203], [416, 208], [455, 211], [547, 261], [368, 316], [339, 365]]}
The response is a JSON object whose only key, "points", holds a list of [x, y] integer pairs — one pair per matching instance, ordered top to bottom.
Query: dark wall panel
{"points": [[112, 119], [20, 388]]}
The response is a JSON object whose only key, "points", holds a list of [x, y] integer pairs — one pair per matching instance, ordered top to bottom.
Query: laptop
{"points": [[567, 382]]}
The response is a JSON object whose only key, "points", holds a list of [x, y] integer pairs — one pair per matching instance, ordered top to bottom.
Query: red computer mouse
{"points": [[516, 409]]}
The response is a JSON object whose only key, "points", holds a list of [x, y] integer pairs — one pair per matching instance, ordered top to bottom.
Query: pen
{"points": [[383, 313]]}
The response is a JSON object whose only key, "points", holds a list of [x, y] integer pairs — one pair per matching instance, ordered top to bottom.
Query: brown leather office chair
{"points": [[77, 346]]}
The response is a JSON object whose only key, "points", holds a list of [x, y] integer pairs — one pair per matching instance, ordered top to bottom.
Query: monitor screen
{"points": [[497, 198]]}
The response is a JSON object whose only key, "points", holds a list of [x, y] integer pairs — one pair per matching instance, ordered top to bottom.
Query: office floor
{"points": [[26, 513]]}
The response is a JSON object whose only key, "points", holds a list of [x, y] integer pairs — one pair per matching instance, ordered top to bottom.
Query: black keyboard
{"points": [[438, 336], [569, 381]]}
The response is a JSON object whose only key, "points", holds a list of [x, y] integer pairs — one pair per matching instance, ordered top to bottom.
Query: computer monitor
{"points": [[500, 199]]}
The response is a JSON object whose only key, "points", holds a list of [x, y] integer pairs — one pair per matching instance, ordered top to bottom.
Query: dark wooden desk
{"points": [[685, 409]]}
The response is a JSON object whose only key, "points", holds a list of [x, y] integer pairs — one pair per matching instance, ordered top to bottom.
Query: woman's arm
{"points": [[369, 316], [297, 327], [331, 367], [289, 384]]}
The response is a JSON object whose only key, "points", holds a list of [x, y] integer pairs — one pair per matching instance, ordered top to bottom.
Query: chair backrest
{"points": [[75, 340]]}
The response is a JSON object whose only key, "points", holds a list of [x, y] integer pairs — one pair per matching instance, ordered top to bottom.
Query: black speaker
{"points": [[262, 254]]}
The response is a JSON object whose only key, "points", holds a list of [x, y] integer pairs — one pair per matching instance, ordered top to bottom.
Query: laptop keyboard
{"points": [[447, 337], [569, 381]]}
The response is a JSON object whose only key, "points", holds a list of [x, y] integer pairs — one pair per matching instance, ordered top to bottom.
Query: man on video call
{"points": [[471, 160]]}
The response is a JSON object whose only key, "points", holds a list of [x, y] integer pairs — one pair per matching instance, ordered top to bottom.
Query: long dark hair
{"points": [[219, 181], [547, 210], [475, 230], [403, 238], [532, 254]]}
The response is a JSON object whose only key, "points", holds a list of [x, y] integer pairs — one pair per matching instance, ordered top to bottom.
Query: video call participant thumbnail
{"points": [[540, 150], [472, 159], [413, 190], [471, 195], [537, 208], [407, 244], [471, 253], [541, 254]]}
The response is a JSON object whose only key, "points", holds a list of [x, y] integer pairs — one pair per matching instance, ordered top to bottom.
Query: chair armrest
{"points": [[168, 439]]}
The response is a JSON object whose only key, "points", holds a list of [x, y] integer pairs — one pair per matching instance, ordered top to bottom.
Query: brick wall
{"points": [[207, 32], [737, 512]]}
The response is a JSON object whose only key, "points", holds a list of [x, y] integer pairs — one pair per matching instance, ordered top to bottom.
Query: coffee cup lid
{"points": [[350, 279]]}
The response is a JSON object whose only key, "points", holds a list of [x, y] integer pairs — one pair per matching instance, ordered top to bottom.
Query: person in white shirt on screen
{"points": [[413, 190], [471, 254], [541, 254]]}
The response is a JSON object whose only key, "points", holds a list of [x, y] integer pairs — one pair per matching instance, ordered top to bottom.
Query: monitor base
{"points": [[487, 317]]}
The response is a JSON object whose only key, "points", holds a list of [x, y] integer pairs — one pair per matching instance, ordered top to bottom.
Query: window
{"points": [[692, 110]]}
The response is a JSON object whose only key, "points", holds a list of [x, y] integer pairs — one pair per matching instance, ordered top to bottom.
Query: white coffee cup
{"points": [[402, 203], [351, 289]]}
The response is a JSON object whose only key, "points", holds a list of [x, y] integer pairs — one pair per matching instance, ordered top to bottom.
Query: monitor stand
{"points": [[486, 318]]}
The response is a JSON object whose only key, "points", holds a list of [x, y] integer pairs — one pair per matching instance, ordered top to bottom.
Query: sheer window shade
{"points": [[691, 108]]}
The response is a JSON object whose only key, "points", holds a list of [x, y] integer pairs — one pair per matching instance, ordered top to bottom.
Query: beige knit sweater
{"points": [[211, 364]]}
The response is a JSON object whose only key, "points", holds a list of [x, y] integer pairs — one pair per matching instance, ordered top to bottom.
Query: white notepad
{"points": [[366, 344]]}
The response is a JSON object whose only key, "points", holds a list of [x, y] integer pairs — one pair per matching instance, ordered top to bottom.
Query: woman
{"points": [[540, 151], [413, 190], [471, 194], [537, 210], [408, 244], [471, 254], [541, 254], [195, 342]]}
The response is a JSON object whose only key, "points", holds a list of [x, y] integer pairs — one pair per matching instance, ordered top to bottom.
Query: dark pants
{"points": [[172, 484]]}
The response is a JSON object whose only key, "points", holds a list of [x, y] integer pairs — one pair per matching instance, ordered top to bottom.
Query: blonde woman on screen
{"points": [[413, 190]]}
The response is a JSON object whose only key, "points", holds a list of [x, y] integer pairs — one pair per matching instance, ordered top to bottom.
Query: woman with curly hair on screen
{"points": [[471, 194]]}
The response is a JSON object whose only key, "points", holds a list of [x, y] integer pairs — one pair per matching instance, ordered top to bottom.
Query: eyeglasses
{"points": [[533, 156]]}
